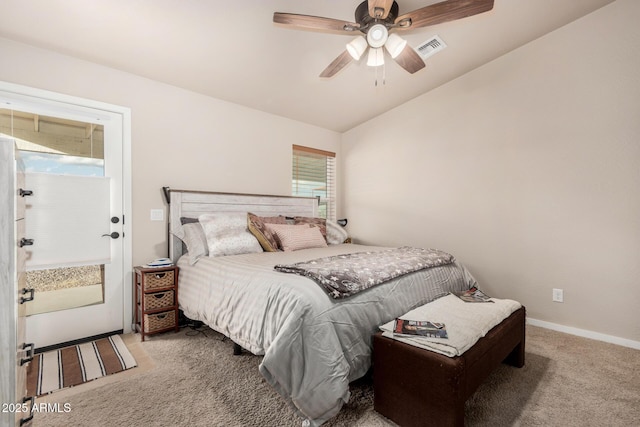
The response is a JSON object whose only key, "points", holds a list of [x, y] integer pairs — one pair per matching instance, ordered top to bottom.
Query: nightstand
{"points": [[156, 299]]}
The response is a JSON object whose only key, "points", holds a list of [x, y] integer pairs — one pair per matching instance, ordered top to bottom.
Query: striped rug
{"points": [[58, 369]]}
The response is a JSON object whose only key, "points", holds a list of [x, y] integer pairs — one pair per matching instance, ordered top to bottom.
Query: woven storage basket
{"points": [[157, 280], [158, 300], [157, 321]]}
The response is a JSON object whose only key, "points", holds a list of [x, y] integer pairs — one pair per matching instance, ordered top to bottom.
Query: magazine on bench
{"points": [[473, 295], [419, 328]]}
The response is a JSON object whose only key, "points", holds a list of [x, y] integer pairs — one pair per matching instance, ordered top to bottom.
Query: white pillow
{"points": [[335, 233], [227, 234], [193, 236], [300, 237], [194, 242]]}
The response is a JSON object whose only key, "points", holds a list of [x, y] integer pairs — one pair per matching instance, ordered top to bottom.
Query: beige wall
{"points": [[179, 138], [527, 169]]}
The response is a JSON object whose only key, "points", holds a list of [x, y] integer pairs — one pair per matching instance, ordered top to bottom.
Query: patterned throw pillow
{"points": [[321, 223], [258, 227], [227, 234], [293, 238]]}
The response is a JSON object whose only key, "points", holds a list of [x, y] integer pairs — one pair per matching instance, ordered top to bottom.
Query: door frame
{"points": [[42, 97]]}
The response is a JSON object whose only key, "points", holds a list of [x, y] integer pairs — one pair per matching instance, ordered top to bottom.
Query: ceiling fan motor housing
{"points": [[366, 21]]}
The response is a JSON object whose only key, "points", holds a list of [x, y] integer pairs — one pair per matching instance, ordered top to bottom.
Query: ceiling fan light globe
{"points": [[377, 36], [395, 45], [357, 47], [375, 58]]}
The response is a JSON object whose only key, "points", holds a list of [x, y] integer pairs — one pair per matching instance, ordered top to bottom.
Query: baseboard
{"points": [[585, 333]]}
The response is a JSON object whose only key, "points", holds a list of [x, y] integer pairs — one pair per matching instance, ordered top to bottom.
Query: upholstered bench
{"points": [[418, 387]]}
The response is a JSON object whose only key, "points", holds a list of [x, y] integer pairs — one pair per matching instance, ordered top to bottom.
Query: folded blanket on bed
{"points": [[345, 275], [465, 323]]}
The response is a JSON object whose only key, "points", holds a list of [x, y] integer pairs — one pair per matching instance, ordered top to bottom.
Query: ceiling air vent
{"points": [[430, 47]]}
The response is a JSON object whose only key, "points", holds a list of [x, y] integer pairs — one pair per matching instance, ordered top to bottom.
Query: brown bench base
{"points": [[416, 387]]}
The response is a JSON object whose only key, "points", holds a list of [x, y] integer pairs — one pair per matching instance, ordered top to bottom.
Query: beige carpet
{"points": [[195, 381]]}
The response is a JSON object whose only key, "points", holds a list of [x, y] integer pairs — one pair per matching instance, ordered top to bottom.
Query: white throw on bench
{"points": [[465, 322]]}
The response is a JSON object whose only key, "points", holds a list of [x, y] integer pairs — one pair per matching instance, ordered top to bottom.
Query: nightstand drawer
{"points": [[158, 280], [158, 300], [158, 321]]}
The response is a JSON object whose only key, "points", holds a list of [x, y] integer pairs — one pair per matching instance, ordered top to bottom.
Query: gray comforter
{"points": [[313, 345]]}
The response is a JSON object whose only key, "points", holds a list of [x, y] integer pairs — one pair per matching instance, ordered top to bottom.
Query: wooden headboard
{"points": [[191, 204]]}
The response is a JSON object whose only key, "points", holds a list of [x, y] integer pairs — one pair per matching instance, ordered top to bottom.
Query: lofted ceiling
{"points": [[233, 51]]}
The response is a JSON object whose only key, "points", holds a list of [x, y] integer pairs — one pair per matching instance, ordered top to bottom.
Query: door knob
{"points": [[113, 235]]}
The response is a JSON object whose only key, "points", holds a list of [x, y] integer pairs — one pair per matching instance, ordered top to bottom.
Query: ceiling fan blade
{"points": [[379, 8], [445, 11], [317, 23], [410, 60], [337, 64]]}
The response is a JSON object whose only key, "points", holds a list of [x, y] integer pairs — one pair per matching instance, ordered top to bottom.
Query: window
{"points": [[54, 145], [71, 154], [314, 175]]}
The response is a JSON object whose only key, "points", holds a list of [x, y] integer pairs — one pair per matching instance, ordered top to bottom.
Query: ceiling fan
{"points": [[378, 21]]}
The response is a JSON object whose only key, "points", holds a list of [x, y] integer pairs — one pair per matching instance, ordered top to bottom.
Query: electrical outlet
{"points": [[558, 295]]}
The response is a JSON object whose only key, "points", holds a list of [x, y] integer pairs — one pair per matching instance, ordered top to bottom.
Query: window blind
{"points": [[314, 175], [66, 217]]}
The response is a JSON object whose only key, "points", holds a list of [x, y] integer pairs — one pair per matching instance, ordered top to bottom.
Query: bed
{"points": [[312, 345]]}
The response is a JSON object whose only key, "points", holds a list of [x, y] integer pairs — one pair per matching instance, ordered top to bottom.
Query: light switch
{"points": [[157, 215]]}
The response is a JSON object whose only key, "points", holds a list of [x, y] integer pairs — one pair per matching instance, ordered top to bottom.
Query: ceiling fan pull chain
{"points": [[384, 74]]}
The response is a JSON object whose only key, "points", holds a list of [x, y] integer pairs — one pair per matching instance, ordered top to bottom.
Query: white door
{"points": [[114, 312]]}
